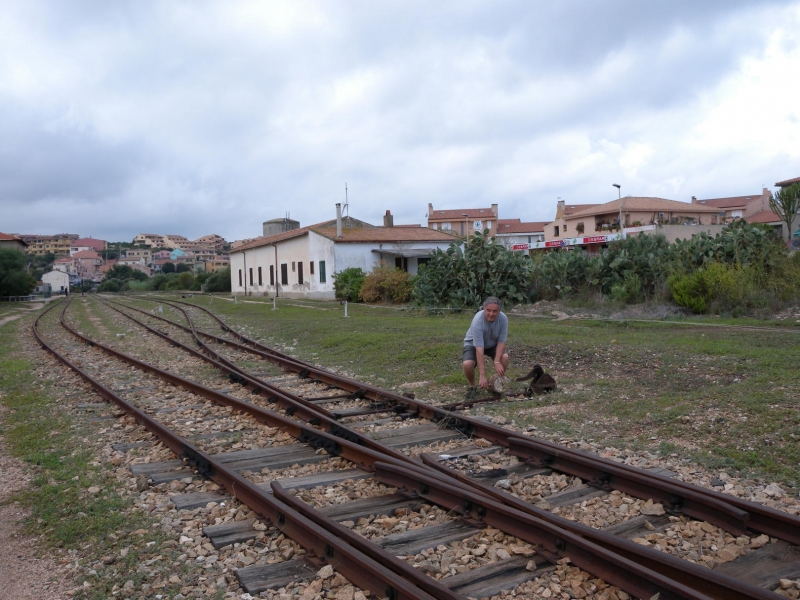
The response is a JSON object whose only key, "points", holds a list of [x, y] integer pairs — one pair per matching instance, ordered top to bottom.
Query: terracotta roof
{"points": [[788, 182], [733, 201], [645, 204], [571, 209], [472, 213], [765, 216], [531, 227], [385, 234], [279, 237], [12, 238], [91, 242], [86, 254]]}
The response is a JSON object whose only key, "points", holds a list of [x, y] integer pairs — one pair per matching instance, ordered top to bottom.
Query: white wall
{"points": [[58, 281]]}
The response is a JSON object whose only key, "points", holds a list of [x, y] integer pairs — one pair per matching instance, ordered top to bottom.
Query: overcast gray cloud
{"points": [[200, 117]]}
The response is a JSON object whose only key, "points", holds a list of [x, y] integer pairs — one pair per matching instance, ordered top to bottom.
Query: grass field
{"points": [[728, 398]]}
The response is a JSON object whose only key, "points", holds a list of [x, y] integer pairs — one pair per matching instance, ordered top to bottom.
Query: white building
{"points": [[300, 263], [58, 280]]}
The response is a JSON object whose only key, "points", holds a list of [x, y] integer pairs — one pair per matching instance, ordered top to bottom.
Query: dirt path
{"points": [[26, 572]]}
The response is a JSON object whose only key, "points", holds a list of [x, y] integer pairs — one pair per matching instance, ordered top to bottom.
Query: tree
{"points": [[786, 204], [168, 267], [183, 268], [14, 281]]}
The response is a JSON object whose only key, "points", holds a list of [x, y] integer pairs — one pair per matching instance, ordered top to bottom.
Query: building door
{"points": [[322, 271], [300, 273], [284, 274]]}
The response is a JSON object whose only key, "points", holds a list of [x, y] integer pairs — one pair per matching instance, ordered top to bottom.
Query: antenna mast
{"points": [[346, 206]]}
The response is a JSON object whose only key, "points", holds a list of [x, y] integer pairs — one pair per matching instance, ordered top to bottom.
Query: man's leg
{"points": [[469, 371]]}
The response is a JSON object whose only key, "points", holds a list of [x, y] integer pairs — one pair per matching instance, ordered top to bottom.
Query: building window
{"points": [[565, 227], [556, 228], [579, 228], [293, 267], [311, 267], [322, 271], [300, 273], [272, 274], [284, 274], [251, 275], [240, 278], [260, 282]]}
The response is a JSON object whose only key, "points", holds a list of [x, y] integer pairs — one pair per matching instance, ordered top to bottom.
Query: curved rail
{"points": [[728, 512]]}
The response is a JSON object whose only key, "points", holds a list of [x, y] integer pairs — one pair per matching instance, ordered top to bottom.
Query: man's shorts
{"points": [[469, 353]]}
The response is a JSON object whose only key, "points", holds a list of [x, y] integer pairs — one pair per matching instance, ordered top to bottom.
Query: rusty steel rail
{"points": [[294, 406], [606, 474], [637, 483], [758, 518], [552, 542], [322, 545], [615, 553], [710, 582]]}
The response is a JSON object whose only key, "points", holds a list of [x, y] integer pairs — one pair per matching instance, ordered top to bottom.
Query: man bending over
{"points": [[486, 337]]}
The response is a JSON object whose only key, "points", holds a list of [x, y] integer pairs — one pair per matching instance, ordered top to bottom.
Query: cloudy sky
{"points": [[196, 117]]}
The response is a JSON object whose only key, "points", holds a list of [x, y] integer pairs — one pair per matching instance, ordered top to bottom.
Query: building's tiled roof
{"points": [[788, 182], [732, 202], [630, 204], [571, 209], [457, 214], [765, 216], [518, 227], [385, 234], [12, 238], [91, 242], [86, 254], [63, 260]]}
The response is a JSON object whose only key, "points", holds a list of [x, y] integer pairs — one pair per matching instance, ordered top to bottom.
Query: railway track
{"points": [[464, 494]]}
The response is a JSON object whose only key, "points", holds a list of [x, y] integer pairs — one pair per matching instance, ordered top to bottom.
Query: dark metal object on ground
{"points": [[541, 382]]}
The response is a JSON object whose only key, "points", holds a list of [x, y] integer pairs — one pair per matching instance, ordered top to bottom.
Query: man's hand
{"points": [[499, 369], [483, 382]]}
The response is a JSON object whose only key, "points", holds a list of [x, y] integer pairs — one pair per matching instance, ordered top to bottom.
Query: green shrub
{"points": [[464, 277], [220, 281], [347, 284], [386, 284], [109, 285]]}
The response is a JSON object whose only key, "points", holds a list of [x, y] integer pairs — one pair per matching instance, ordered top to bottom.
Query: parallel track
{"points": [[640, 571]]}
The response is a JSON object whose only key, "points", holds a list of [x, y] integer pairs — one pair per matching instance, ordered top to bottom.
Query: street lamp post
{"points": [[619, 197], [465, 233]]}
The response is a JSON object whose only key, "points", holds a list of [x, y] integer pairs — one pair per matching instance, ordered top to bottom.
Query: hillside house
{"points": [[463, 222], [592, 226], [514, 232], [13, 242], [84, 244], [301, 263]]}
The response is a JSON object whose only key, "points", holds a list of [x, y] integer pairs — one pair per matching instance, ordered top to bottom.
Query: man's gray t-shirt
{"points": [[483, 334]]}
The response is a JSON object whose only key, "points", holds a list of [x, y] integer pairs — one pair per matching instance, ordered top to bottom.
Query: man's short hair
{"points": [[493, 300]]}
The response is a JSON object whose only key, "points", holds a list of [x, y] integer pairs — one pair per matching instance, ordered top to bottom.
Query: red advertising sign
{"points": [[594, 239], [553, 244], [519, 247]]}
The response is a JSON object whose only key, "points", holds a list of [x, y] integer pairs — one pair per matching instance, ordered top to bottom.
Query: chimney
{"points": [[694, 200], [560, 208], [494, 209], [430, 210], [338, 219], [388, 219]]}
